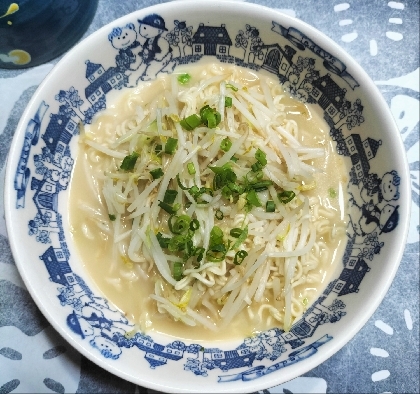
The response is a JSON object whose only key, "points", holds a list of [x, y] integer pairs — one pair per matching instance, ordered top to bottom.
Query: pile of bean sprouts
{"points": [[283, 247]]}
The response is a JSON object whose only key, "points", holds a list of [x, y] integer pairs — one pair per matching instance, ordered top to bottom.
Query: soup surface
{"points": [[255, 226]]}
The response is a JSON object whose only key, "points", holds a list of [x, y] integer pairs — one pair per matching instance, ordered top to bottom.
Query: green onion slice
{"points": [[184, 78], [228, 102], [210, 117], [191, 122], [226, 144], [171, 145], [158, 149], [261, 157], [129, 162], [256, 166], [191, 168], [156, 173], [224, 175], [254, 176], [178, 180], [261, 185], [170, 196], [286, 196], [252, 198], [270, 206], [169, 208], [219, 214], [112, 217], [179, 224], [194, 225], [236, 232], [216, 236], [241, 238], [163, 241], [177, 243], [199, 252], [239, 257], [177, 270]]}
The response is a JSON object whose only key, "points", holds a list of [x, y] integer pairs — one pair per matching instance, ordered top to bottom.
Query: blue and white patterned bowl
{"points": [[360, 124]]}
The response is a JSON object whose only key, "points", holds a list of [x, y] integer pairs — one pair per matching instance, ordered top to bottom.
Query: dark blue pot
{"points": [[40, 30]]}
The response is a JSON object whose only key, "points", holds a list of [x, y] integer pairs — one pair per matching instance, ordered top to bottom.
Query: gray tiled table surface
{"points": [[384, 356]]}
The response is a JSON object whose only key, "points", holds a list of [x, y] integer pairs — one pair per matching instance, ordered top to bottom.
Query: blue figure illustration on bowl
{"points": [[125, 41], [154, 56], [374, 203]]}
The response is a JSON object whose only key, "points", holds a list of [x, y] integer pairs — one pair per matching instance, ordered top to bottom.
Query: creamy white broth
{"points": [[128, 284]]}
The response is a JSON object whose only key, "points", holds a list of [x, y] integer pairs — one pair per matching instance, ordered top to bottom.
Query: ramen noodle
{"points": [[208, 203]]}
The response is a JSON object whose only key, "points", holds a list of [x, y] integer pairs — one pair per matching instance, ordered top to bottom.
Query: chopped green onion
{"points": [[184, 78], [230, 86], [228, 102], [204, 111], [210, 117], [210, 120], [191, 122], [226, 144], [171, 145], [158, 149], [261, 157], [234, 159], [129, 162], [256, 166], [191, 168], [156, 173], [223, 176], [254, 176], [180, 184], [261, 185], [194, 190], [232, 190], [199, 192], [332, 193], [170, 196], [286, 196], [252, 198], [270, 206], [168, 208], [219, 214], [112, 217], [180, 225], [194, 225], [236, 232], [216, 235], [242, 237], [163, 241], [177, 243], [217, 250], [199, 252], [215, 257], [239, 257], [177, 271]]}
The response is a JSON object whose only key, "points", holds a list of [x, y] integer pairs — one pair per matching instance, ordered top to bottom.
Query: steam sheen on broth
{"points": [[286, 253]]}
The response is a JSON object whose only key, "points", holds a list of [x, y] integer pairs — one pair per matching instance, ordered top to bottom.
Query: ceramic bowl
{"points": [[363, 131]]}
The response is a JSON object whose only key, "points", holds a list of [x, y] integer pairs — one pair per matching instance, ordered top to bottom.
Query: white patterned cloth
{"points": [[384, 355]]}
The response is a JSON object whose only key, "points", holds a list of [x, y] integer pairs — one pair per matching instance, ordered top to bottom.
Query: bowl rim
{"points": [[378, 104]]}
